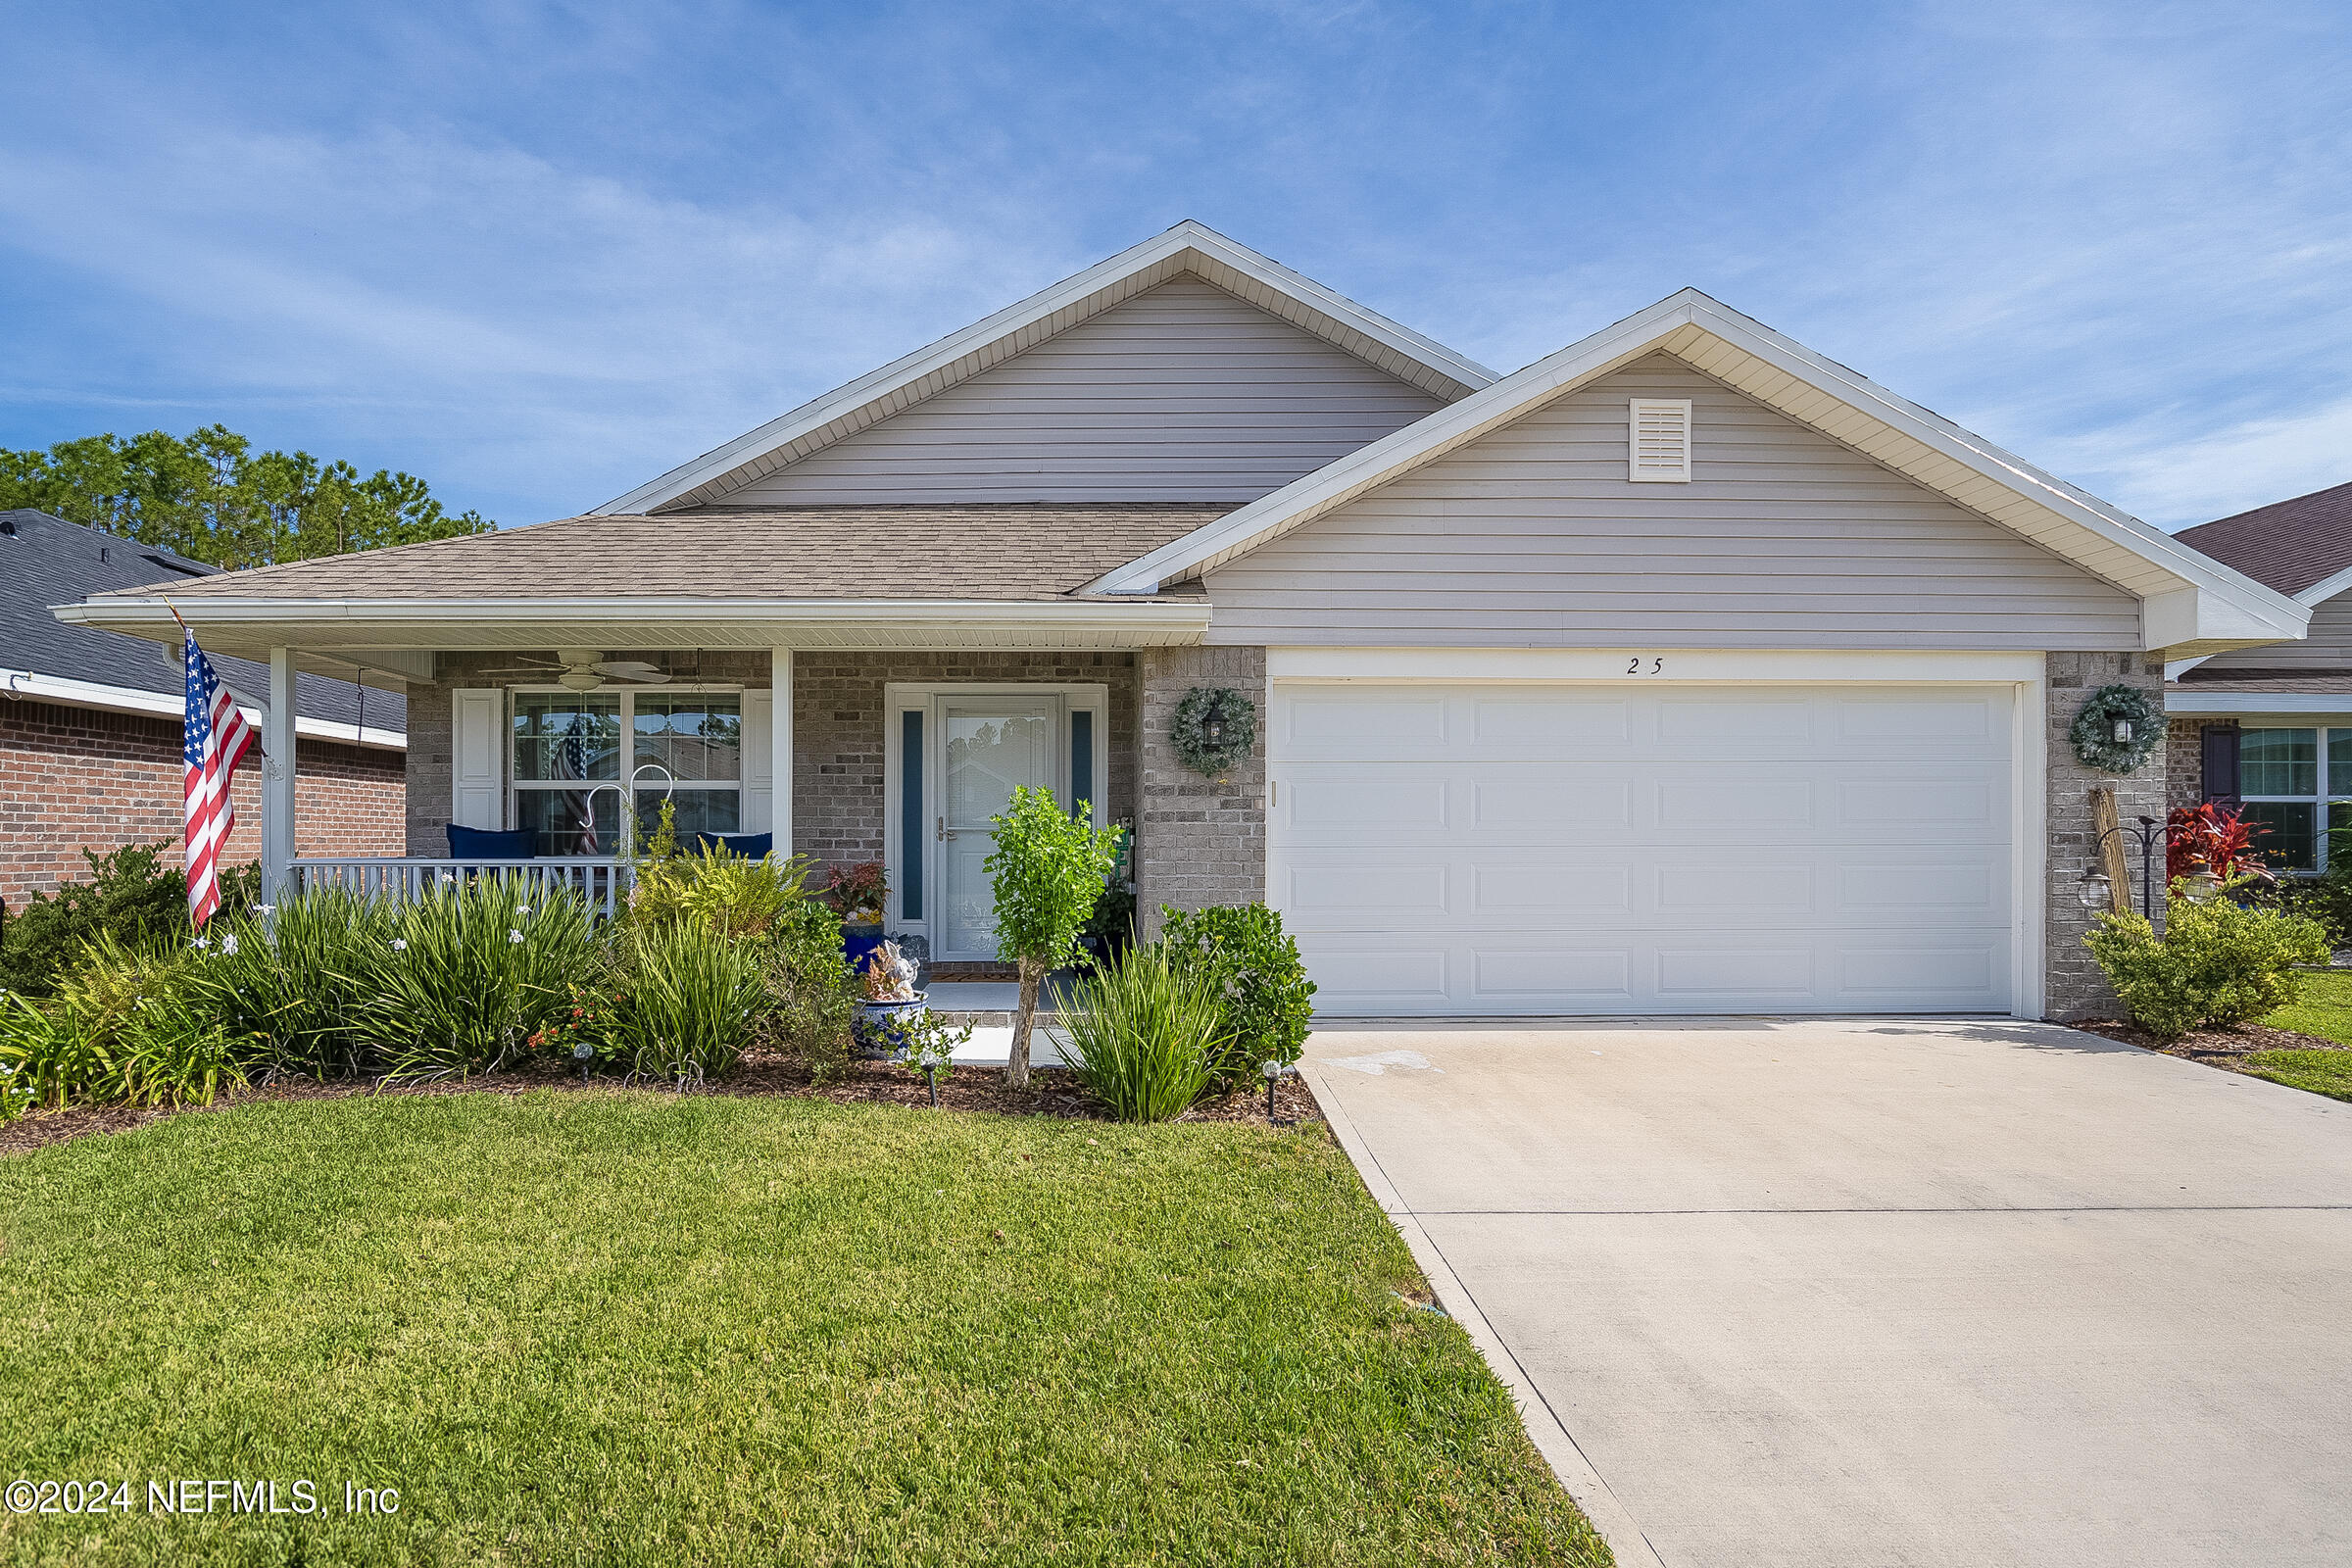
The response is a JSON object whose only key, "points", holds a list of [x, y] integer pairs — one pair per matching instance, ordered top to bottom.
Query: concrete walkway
{"points": [[1894, 1291]]}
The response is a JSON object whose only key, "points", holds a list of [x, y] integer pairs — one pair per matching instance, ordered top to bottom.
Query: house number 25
{"points": [[1632, 666]]}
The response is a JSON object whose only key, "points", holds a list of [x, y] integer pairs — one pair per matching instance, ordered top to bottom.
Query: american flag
{"points": [[216, 740], [572, 761]]}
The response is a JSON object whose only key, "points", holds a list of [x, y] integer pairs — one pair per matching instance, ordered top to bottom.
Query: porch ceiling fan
{"points": [[586, 669]]}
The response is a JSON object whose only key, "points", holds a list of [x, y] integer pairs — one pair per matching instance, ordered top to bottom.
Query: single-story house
{"points": [[1684, 670], [91, 722], [2270, 728]]}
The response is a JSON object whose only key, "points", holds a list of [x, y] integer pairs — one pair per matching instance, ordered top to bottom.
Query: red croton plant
{"points": [[2212, 838]]}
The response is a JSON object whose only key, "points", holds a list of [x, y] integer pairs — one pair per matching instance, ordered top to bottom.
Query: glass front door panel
{"points": [[987, 747]]}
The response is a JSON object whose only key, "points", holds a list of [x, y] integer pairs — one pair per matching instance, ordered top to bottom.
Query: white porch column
{"points": [[278, 778], [779, 786]]}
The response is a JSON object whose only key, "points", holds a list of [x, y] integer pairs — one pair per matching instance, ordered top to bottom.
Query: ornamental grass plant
{"points": [[471, 972], [291, 984], [685, 1000], [122, 1031], [1144, 1035]]}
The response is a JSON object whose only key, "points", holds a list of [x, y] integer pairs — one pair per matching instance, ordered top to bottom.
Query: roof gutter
{"points": [[29, 686]]}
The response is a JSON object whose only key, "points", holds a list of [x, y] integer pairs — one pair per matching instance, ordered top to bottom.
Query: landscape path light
{"points": [[1272, 1071]]}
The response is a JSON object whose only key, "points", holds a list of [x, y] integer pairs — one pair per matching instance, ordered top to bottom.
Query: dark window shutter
{"points": [[2220, 764]]}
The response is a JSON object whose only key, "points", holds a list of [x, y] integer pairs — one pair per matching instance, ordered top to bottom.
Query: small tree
{"points": [[1048, 869]]}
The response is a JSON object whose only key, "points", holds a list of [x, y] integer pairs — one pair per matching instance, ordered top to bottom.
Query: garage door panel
{"points": [[1734, 725], [1962, 725], [1340, 726], [1559, 729], [1730, 804], [1916, 804], [1562, 806], [1497, 851], [1734, 890], [1522, 891], [1958, 891], [1704, 973], [1968, 974], [1381, 976], [1507, 978]]}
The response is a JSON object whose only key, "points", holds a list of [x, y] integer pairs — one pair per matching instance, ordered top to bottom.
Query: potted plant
{"points": [[858, 894], [890, 1004]]}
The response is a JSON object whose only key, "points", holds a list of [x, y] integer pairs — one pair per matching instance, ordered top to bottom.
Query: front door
{"points": [[989, 743]]}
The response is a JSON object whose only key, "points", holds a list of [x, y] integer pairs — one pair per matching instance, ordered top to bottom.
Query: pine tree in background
{"points": [[212, 498]]}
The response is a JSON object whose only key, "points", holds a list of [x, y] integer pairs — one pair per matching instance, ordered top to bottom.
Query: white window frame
{"points": [[627, 692], [901, 697], [2327, 792]]}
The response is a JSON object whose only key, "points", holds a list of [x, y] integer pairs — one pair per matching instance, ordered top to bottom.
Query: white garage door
{"points": [[1532, 850]]}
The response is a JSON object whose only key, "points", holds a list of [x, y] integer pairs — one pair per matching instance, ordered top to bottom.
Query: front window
{"points": [[565, 745], [2298, 784]]}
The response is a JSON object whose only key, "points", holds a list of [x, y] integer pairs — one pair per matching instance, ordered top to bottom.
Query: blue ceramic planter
{"points": [[879, 1025]]}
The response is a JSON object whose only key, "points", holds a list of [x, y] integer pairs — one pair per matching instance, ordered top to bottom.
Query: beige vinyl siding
{"points": [[1183, 393], [1533, 537], [2328, 648]]}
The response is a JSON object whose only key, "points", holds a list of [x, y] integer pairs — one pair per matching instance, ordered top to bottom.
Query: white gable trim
{"points": [[1188, 247], [2187, 599]]}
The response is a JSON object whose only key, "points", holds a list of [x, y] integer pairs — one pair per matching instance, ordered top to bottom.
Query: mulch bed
{"points": [[2227, 1049], [1051, 1091]]}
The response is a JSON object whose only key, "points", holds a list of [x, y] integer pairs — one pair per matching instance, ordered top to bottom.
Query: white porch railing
{"points": [[599, 878]]}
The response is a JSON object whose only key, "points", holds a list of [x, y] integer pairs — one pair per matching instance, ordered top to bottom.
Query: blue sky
{"points": [[538, 254]]}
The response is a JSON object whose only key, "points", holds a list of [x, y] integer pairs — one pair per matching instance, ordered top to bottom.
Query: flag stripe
{"points": [[216, 739]]}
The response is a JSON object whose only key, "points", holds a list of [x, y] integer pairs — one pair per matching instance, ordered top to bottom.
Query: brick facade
{"points": [[837, 733], [2184, 759], [71, 777], [1200, 841], [2074, 986]]}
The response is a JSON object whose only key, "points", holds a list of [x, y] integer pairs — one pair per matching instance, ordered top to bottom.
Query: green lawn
{"points": [[2324, 1009], [2323, 1072], [633, 1327]]}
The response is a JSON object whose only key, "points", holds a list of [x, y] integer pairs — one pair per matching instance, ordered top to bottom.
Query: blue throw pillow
{"points": [[480, 844], [756, 845]]}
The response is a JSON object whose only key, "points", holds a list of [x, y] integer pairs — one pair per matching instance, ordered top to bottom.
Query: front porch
{"points": [[899, 755]]}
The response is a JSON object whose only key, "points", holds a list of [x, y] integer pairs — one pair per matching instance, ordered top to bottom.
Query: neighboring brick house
{"points": [[1683, 670], [2270, 728], [90, 729]]}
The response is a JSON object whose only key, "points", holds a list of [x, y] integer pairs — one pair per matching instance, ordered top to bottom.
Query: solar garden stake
{"points": [[585, 1055], [1272, 1071], [931, 1074]]}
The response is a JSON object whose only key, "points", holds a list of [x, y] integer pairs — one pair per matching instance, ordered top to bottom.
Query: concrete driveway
{"points": [[1884, 1292]]}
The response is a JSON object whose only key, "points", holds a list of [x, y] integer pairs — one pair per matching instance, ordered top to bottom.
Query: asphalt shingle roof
{"points": [[2287, 545], [1000, 552], [47, 561]]}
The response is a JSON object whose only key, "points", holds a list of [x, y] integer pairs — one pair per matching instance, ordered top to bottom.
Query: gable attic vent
{"points": [[1660, 434]]}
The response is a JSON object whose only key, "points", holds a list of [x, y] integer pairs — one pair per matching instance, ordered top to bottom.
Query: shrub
{"points": [[2212, 838], [1047, 869], [734, 895], [134, 896], [1240, 953], [2218, 962], [473, 971], [296, 993], [685, 1002], [809, 1005], [123, 1032], [1144, 1035]]}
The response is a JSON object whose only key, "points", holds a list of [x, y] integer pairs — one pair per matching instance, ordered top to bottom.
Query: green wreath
{"points": [[1233, 717], [2094, 731]]}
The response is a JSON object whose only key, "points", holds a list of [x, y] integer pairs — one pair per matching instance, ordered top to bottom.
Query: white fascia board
{"points": [[1084, 294], [2326, 588], [2218, 605], [131, 614], [1714, 666], [35, 687], [2241, 704]]}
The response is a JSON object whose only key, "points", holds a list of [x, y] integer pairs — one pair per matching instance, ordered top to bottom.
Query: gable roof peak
{"points": [[1188, 247]]}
